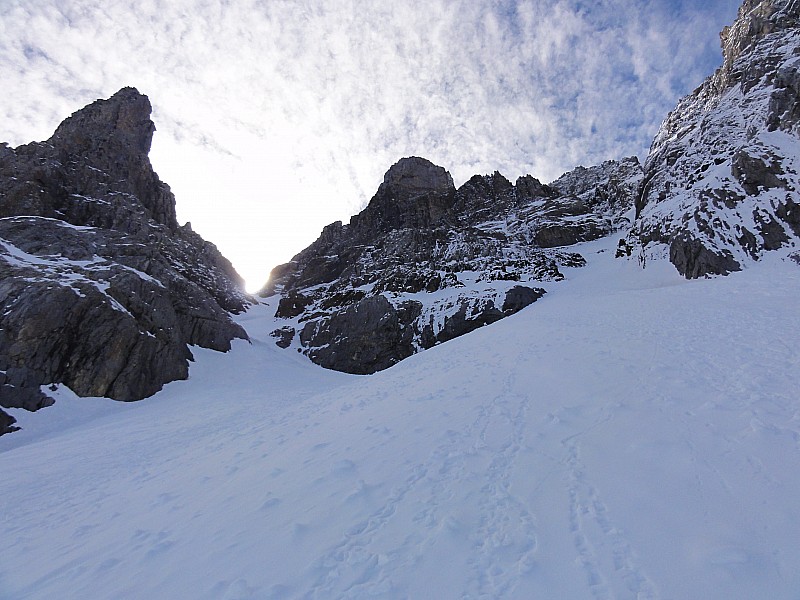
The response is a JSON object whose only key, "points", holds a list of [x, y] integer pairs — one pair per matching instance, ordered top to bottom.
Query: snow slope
{"points": [[630, 435]]}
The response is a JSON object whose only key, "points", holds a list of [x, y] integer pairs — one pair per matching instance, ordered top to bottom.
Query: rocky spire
{"points": [[756, 19], [122, 120], [114, 136], [98, 153], [412, 177], [414, 193], [100, 289]]}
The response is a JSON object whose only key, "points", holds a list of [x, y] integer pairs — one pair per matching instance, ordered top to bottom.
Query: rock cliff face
{"points": [[721, 182], [425, 262], [100, 289], [103, 291]]}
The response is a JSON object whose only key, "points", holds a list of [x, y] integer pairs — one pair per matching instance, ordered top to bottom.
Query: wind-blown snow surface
{"points": [[630, 435]]}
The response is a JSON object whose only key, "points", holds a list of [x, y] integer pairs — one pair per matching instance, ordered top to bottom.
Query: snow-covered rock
{"points": [[721, 182], [718, 189], [425, 262]]}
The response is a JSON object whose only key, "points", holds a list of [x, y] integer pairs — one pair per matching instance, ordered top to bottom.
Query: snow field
{"points": [[630, 435]]}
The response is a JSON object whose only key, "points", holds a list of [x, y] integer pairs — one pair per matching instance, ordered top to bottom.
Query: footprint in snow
{"points": [[270, 503]]}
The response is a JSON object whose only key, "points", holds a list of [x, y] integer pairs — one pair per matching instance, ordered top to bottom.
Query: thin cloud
{"points": [[291, 111]]}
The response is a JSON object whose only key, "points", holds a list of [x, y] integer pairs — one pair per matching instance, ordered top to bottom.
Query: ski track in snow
{"points": [[631, 435], [503, 540]]}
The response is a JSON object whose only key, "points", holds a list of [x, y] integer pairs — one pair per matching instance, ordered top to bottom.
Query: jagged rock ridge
{"points": [[720, 185], [425, 262], [100, 288]]}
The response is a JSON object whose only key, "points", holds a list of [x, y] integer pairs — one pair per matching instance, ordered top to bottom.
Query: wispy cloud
{"points": [[276, 117]]}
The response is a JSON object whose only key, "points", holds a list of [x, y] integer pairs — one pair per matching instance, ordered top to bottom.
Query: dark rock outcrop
{"points": [[93, 171], [722, 175], [414, 193], [693, 259], [424, 262], [100, 289], [518, 297], [476, 312], [375, 333], [284, 336], [365, 337], [7, 423]]}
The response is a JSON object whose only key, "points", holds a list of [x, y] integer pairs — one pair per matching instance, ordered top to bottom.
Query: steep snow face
{"points": [[721, 182], [636, 435]]}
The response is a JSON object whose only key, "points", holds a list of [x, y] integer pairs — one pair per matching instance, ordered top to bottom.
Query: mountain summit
{"points": [[101, 150], [425, 262], [100, 289]]}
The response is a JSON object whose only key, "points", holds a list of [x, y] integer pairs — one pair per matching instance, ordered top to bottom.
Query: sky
{"points": [[277, 117]]}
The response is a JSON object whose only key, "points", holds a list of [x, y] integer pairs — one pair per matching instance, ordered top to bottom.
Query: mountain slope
{"points": [[721, 181], [425, 262], [100, 288], [637, 435], [634, 436]]}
